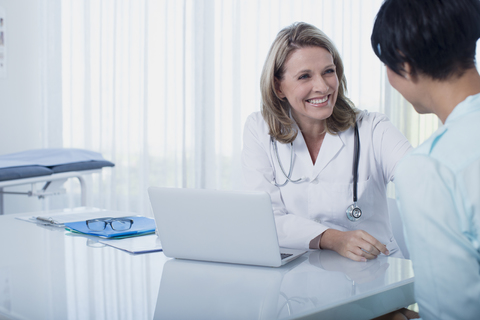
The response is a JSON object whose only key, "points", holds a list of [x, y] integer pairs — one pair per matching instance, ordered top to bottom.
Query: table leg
{"points": [[1, 201]]}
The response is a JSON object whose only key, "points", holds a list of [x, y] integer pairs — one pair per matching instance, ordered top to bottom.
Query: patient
{"points": [[428, 47]]}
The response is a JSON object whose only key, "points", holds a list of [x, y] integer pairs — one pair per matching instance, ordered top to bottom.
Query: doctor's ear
{"points": [[278, 89]]}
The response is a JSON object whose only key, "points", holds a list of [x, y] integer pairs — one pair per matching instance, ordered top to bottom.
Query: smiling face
{"points": [[310, 84]]}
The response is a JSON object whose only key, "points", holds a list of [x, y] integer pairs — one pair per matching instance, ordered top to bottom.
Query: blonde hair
{"points": [[276, 111]]}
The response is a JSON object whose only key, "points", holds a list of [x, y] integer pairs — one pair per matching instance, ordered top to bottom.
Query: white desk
{"points": [[46, 273]]}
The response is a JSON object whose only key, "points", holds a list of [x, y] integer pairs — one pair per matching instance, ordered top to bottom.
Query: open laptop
{"points": [[220, 226]]}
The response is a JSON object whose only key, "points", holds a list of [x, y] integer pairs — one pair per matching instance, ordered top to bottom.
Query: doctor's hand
{"points": [[357, 245]]}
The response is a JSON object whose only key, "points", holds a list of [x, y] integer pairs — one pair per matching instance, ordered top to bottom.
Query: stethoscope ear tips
{"points": [[354, 212]]}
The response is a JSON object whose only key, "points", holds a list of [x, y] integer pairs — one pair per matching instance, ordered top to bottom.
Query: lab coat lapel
{"points": [[331, 146], [302, 156]]}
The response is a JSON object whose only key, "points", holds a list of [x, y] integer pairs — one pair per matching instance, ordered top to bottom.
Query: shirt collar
{"points": [[470, 104]]}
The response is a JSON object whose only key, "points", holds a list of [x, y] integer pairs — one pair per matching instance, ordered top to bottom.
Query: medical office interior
{"points": [[162, 89]]}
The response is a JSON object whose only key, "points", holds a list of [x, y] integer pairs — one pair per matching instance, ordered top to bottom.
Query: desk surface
{"points": [[48, 273]]}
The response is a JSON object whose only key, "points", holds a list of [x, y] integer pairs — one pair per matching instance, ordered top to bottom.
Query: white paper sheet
{"points": [[142, 244]]}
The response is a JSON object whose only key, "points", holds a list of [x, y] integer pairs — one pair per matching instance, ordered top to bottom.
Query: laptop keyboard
{"points": [[285, 255]]}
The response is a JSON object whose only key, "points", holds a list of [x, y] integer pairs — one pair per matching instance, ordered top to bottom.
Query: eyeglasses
{"points": [[117, 224]]}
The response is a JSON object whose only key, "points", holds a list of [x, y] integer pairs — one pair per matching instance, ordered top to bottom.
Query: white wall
{"points": [[30, 95], [20, 104]]}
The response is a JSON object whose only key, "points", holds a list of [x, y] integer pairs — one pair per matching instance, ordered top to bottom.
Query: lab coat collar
{"points": [[331, 146], [302, 156]]}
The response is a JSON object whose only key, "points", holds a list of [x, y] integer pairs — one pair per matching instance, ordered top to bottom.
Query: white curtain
{"points": [[163, 87]]}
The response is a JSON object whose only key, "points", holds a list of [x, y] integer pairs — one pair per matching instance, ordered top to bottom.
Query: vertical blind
{"points": [[163, 88]]}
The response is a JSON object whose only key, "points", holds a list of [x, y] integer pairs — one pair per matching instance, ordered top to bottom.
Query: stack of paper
{"points": [[141, 226], [128, 240]]}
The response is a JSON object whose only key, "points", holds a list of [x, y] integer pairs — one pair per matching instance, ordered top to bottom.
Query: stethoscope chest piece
{"points": [[354, 212]]}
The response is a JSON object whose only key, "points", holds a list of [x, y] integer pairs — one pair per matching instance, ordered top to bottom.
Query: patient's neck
{"points": [[441, 97]]}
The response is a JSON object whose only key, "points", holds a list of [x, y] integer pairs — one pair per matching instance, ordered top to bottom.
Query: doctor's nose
{"points": [[320, 85]]}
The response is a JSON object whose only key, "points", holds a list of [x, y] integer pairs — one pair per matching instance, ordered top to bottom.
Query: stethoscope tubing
{"points": [[355, 165], [288, 179]]}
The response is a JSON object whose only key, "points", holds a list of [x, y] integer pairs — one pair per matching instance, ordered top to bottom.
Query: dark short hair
{"points": [[436, 38]]}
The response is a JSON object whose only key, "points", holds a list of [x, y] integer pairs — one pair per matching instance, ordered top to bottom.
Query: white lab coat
{"points": [[305, 210]]}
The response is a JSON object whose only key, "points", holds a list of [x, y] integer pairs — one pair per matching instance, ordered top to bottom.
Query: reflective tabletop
{"points": [[49, 273]]}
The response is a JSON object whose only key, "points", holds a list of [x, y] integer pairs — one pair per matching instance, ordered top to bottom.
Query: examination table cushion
{"points": [[44, 162], [79, 166], [14, 173]]}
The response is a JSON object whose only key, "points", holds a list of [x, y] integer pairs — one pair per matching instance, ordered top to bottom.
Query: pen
{"points": [[49, 220]]}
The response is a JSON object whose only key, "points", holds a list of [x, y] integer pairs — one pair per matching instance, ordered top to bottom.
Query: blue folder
{"points": [[140, 226]]}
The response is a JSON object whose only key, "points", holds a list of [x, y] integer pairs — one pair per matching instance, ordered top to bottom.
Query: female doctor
{"points": [[302, 150]]}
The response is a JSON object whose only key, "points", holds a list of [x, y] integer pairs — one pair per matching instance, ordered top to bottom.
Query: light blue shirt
{"points": [[438, 194]]}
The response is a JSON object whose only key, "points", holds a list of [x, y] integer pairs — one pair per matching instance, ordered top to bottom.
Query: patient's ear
{"points": [[408, 72], [278, 89]]}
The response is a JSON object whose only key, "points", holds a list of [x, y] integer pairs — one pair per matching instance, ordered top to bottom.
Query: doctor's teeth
{"points": [[317, 101]]}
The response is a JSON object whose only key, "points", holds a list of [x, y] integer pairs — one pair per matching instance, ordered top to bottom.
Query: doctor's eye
{"points": [[329, 71], [304, 76]]}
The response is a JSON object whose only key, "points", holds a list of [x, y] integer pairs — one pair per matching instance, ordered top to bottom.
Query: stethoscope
{"points": [[353, 212]]}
